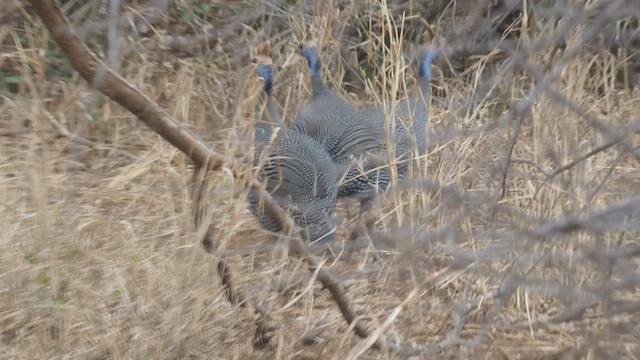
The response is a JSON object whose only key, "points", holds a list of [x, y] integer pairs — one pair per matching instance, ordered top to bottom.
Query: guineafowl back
{"points": [[302, 179]]}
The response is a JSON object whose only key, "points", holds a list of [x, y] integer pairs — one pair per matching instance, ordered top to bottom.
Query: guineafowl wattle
{"points": [[347, 136], [295, 170]]}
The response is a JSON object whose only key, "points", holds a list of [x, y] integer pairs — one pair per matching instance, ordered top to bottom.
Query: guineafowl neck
{"points": [[317, 85], [423, 93], [274, 110], [421, 123], [264, 127]]}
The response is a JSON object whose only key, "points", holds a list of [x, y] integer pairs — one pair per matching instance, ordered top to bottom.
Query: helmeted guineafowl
{"points": [[410, 116], [347, 136], [295, 170]]}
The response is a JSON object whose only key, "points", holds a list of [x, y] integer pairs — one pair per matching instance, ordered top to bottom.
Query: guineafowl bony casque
{"points": [[347, 136], [297, 172]]}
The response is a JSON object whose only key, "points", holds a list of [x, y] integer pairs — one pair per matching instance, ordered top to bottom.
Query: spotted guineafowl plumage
{"points": [[342, 130], [295, 170]]}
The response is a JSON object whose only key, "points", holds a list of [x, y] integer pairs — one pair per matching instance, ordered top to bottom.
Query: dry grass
{"points": [[99, 257]]}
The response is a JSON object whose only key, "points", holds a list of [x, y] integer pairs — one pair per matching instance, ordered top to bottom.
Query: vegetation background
{"points": [[517, 238]]}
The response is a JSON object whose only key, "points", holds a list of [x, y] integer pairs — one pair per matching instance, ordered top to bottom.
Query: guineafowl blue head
{"points": [[309, 50], [267, 71]]}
